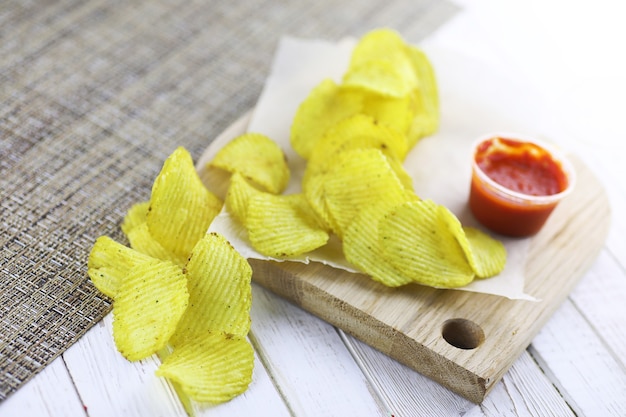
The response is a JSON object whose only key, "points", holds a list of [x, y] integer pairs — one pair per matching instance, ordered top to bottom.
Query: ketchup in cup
{"points": [[516, 183]]}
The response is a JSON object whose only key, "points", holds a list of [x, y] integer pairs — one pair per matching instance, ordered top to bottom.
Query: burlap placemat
{"points": [[94, 95]]}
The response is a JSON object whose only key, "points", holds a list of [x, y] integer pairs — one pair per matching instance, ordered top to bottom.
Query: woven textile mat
{"points": [[94, 95]]}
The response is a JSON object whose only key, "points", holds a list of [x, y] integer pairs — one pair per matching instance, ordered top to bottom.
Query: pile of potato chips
{"points": [[354, 137], [179, 291], [185, 294]]}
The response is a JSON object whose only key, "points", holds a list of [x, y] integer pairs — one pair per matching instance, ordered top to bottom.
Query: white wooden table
{"points": [[573, 53]]}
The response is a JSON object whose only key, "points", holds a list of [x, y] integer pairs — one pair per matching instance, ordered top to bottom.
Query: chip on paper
{"points": [[384, 44], [426, 96], [326, 105], [393, 112], [357, 132], [257, 158], [359, 178], [181, 208], [283, 225], [417, 238], [362, 247], [486, 255], [109, 263], [220, 294], [147, 308], [214, 367]]}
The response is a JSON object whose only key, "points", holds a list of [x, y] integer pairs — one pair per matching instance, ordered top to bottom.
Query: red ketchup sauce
{"points": [[515, 185]]}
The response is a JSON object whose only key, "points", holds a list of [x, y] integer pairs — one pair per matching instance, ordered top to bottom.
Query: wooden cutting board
{"points": [[465, 341]]}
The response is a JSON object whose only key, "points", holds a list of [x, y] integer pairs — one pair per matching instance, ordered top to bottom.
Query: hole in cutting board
{"points": [[462, 333]]}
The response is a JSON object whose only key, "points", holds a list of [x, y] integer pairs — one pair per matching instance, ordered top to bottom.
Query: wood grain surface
{"points": [[408, 323]]}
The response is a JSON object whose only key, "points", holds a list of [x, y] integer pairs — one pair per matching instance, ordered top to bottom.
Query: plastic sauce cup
{"points": [[516, 183]]}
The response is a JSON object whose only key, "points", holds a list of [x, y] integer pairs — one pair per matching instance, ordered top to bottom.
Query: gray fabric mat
{"points": [[94, 95]]}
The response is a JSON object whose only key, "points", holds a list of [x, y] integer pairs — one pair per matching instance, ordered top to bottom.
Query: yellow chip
{"points": [[384, 44], [378, 76], [426, 96], [325, 105], [395, 113], [357, 132], [257, 158], [360, 178], [240, 192], [181, 208], [135, 216], [282, 226], [419, 239], [141, 240], [362, 247], [486, 255], [109, 263], [220, 294], [148, 305], [214, 367]]}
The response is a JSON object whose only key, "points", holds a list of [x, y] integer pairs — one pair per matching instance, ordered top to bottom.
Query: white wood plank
{"points": [[599, 297], [308, 361], [578, 361], [109, 385], [524, 390], [50, 393]]}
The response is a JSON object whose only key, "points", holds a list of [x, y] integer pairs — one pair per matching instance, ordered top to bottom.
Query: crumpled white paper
{"points": [[477, 97]]}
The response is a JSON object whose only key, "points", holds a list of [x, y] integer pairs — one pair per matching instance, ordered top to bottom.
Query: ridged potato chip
{"points": [[384, 44], [426, 96], [326, 105], [396, 113], [357, 132], [257, 158], [360, 177], [240, 192], [181, 208], [135, 216], [280, 226], [140, 239], [419, 239], [362, 247], [486, 255], [109, 263], [220, 294], [147, 308], [213, 368]]}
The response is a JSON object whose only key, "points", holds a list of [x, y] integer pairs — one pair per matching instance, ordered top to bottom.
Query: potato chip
{"points": [[384, 44], [378, 76], [426, 96], [325, 105], [396, 113], [357, 132], [257, 158], [359, 178], [240, 192], [181, 208], [135, 216], [281, 226], [418, 239], [141, 240], [362, 247], [486, 255], [109, 263], [220, 294], [149, 303], [213, 368]]}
